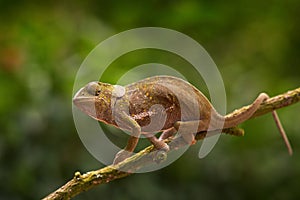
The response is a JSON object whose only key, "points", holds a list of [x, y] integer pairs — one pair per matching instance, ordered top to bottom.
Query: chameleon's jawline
{"points": [[86, 104]]}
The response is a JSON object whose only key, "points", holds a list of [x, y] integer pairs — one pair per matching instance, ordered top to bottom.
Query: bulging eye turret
{"points": [[93, 88]]}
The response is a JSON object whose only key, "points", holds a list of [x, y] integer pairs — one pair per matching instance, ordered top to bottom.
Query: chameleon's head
{"points": [[95, 99]]}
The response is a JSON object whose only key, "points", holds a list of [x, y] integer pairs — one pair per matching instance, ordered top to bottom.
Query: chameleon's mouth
{"points": [[82, 96], [85, 102]]}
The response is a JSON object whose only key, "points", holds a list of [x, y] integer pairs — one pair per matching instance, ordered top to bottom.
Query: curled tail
{"points": [[235, 119]]}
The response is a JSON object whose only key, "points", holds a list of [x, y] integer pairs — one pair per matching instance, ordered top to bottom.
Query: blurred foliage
{"points": [[255, 44]]}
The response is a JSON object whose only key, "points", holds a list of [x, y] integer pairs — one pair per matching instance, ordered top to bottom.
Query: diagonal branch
{"points": [[84, 182]]}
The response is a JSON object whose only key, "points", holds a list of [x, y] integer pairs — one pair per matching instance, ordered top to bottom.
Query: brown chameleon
{"points": [[155, 104]]}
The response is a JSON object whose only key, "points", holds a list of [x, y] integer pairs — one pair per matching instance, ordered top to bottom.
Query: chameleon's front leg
{"points": [[134, 138], [132, 141]]}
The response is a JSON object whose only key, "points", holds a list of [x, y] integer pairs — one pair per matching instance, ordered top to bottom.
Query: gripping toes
{"points": [[121, 155]]}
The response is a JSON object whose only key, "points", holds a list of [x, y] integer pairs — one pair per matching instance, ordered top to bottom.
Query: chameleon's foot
{"points": [[158, 144], [162, 149], [121, 155], [160, 156]]}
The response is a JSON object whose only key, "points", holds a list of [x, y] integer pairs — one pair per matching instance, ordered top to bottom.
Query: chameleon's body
{"points": [[170, 102]]}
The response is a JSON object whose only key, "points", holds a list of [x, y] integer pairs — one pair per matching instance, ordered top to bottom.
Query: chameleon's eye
{"points": [[93, 88]]}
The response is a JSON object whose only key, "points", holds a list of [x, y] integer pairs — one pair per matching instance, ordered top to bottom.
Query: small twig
{"points": [[282, 133], [84, 182]]}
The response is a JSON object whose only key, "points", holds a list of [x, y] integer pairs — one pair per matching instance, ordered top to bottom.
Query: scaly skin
{"points": [[159, 103]]}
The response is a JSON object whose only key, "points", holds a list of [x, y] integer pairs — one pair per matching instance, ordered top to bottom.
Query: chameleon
{"points": [[158, 104]]}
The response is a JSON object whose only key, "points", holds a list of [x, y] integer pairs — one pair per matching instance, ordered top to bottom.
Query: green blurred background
{"points": [[255, 44]]}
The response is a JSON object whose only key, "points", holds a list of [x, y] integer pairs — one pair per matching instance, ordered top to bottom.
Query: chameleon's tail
{"points": [[235, 118]]}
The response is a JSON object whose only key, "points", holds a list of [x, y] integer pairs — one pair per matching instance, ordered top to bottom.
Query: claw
{"points": [[121, 156], [160, 156]]}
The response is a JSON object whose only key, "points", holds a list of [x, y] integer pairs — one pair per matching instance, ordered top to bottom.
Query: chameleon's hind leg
{"points": [[188, 129], [167, 133], [159, 144]]}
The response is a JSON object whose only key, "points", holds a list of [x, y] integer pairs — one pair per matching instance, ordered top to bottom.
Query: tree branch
{"points": [[84, 182]]}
